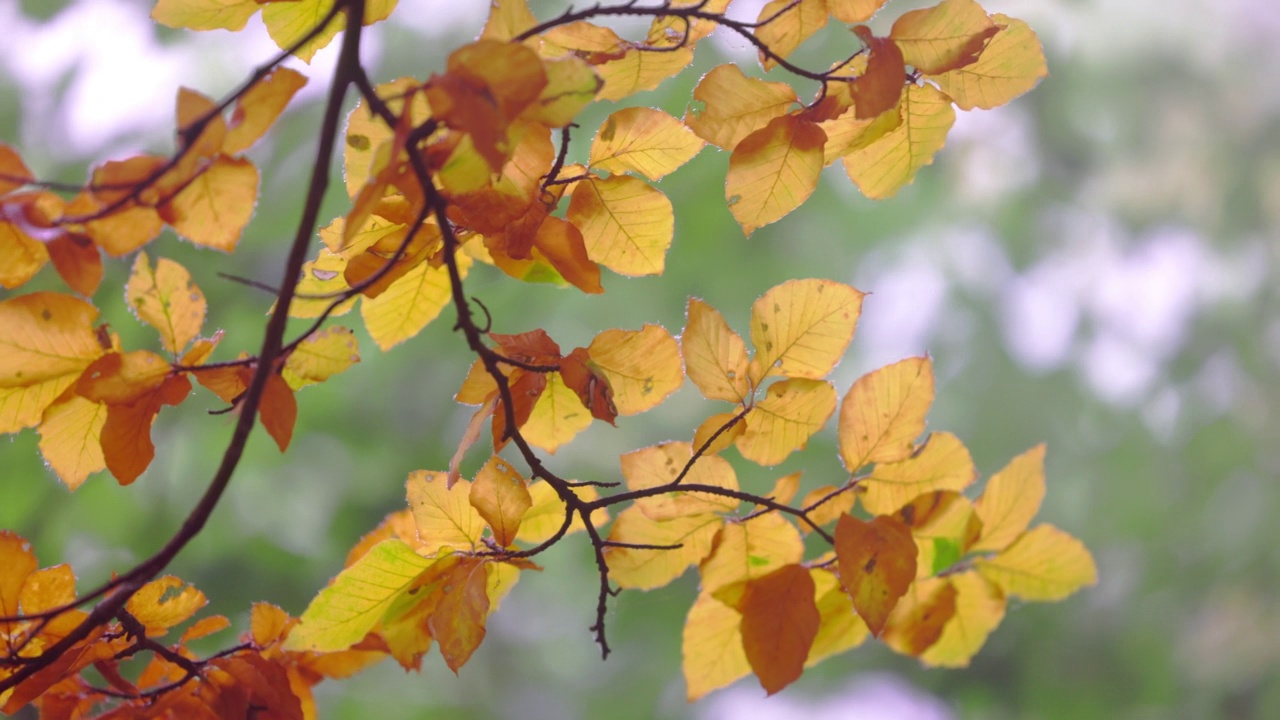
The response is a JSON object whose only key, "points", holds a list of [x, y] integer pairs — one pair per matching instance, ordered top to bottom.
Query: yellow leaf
{"points": [[854, 11], [205, 14], [508, 19], [289, 22], [784, 24], [668, 31], [944, 37], [1010, 65], [640, 70], [571, 86], [734, 105], [258, 108], [366, 132], [643, 140], [883, 167], [773, 171], [214, 208], [626, 223], [23, 256], [321, 282], [166, 298], [411, 302], [801, 328], [46, 341], [714, 355], [321, 356], [642, 366], [884, 412], [790, 413], [558, 416], [720, 430], [69, 439], [941, 463], [659, 465], [785, 488], [500, 496], [1011, 499], [834, 503], [445, 517], [545, 517], [944, 525], [684, 540], [751, 549], [877, 562], [1045, 563], [163, 603], [979, 609], [345, 611], [779, 623], [841, 628], [712, 647]]}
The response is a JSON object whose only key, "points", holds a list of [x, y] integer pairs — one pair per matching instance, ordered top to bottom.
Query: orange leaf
{"points": [[784, 25], [945, 37], [1011, 64], [880, 85], [734, 106], [258, 108], [643, 140], [773, 171], [13, 172], [213, 209], [626, 223], [563, 246], [23, 255], [78, 261], [167, 299], [801, 328], [46, 342], [714, 355], [642, 366], [122, 378], [592, 387], [526, 390], [278, 410], [884, 412], [790, 413], [126, 435], [941, 463], [660, 465], [500, 496], [1011, 499], [683, 541], [18, 562], [877, 562], [163, 603], [780, 620], [918, 620], [458, 621]]}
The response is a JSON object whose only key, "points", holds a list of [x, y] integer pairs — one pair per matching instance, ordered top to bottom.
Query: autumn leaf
{"points": [[854, 11], [205, 14], [508, 19], [289, 22], [783, 25], [944, 37], [1010, 65], [640, 69], [571, 86], [879, 87], [733, 105], [259, 107], [643, 140], [883, 167], [773, 171], [14, 173], [213, 209], [626, 223], [23, 255], [78, 262], [166, 298], [409, 304], [801, 328], [46, 342], [320, 356], [715, 357], [641, 366], [591, 386], [278, 410], [884, 412], [790, 413], [557, 417], [718, 433], [69, 439], [127, 447], [941, 463], [661, 465], [500, 496], [1010, 500], [825, 504], [547, 514], [445, 516], [945, 527], [680, 542], [751, 549], [877, 562], [1044, 564], [163, 603], [979, 608], [342, 613], [780, 620], [918, 620], [458, 623], [841, 629], [711, 647]]}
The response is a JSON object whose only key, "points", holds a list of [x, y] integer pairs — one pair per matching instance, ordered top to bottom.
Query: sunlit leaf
{"points": [[854, 11], [205, 14], [508, 19], [289, 22], [787, 24], [944, 37], [1010, 65], [640, 69], [571, 86], [879, 86], [734, 105], [258, 108], [643, 140], [883, 167], [773, 171], [14, 173], [213, 209], [627, 223], [23, 255], [78, 261], [166, 298], [409, 304], [801, 328], [46, 341], [326, 353], [714, 355], [642, 366], [121, 378], [278, 410], [884, 412], [790, 413], [557, 417], [721, 430], [69, 439], [127, 448], [941, 463], [659, 465], [500, 496], [1011, 499], [826, 504], [546, 515], [445, 517], [945, 527], [683, 541], [750, 549], [877, 562], [1045, 563], [163, 603], [979, 608], [918, 619], [780, 620], [458, 622], [841, 628], [712, 651]]}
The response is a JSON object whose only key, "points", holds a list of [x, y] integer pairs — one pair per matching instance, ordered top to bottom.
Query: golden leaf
{"points": [[783, 25], [1010, 65], [734, 105], [643, 140], [883, 167], [773, 171], [213, 209], [626, 223], [166, 298], [801, 328], [46, 341], [714, 355], [321, 356], [642, 366], [884, 412], [790, 413], [69, 439], [941, 463], [660, 465], [500, 496], [1011, 499], [445, 516], [684, 541], [750, 549], [1045, 563], [979, 608], [712, 647]]}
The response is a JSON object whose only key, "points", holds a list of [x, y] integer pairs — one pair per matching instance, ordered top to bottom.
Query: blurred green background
{"points": [[1093, 266]]}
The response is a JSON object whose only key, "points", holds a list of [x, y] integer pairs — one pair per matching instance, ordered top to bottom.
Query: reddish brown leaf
{"points": [[881, 84], [78, 261], [534, 347], [592, 387], [526, 388], [278, 410], [126, 435], [877, 562], [459, 618], [919, 618], [779, 623]]}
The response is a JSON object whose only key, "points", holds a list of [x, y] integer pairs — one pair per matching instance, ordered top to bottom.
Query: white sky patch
{"points": [[994, 153], [1040, 312], [900, 314], [1117, 371], [872, 696]]}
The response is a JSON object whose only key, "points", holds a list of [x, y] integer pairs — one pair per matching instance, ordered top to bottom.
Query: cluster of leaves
{"points": [[470, 166]]}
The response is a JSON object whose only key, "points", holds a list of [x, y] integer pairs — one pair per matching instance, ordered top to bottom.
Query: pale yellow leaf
{"points": [[205, 14], [787, 24], [1010, 65], [640, 70], [730, 106], [643, 140], [883, 167], [773, 171], [213, 209], [626, 223], [166, 298], [405, 308], [801, 328], [714, 355], [321, 356], [642, 366], [884, 412], [790, 413], [557, 416], [69, 441], [941, 463], [659, 465], [1011, 499], [445, 517], [684, 541], [751, 549], [1045, 563], [980, 607], [712, 647]]}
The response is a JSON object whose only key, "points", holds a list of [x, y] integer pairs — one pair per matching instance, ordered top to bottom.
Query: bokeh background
{"points": [[1093, 266]]}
